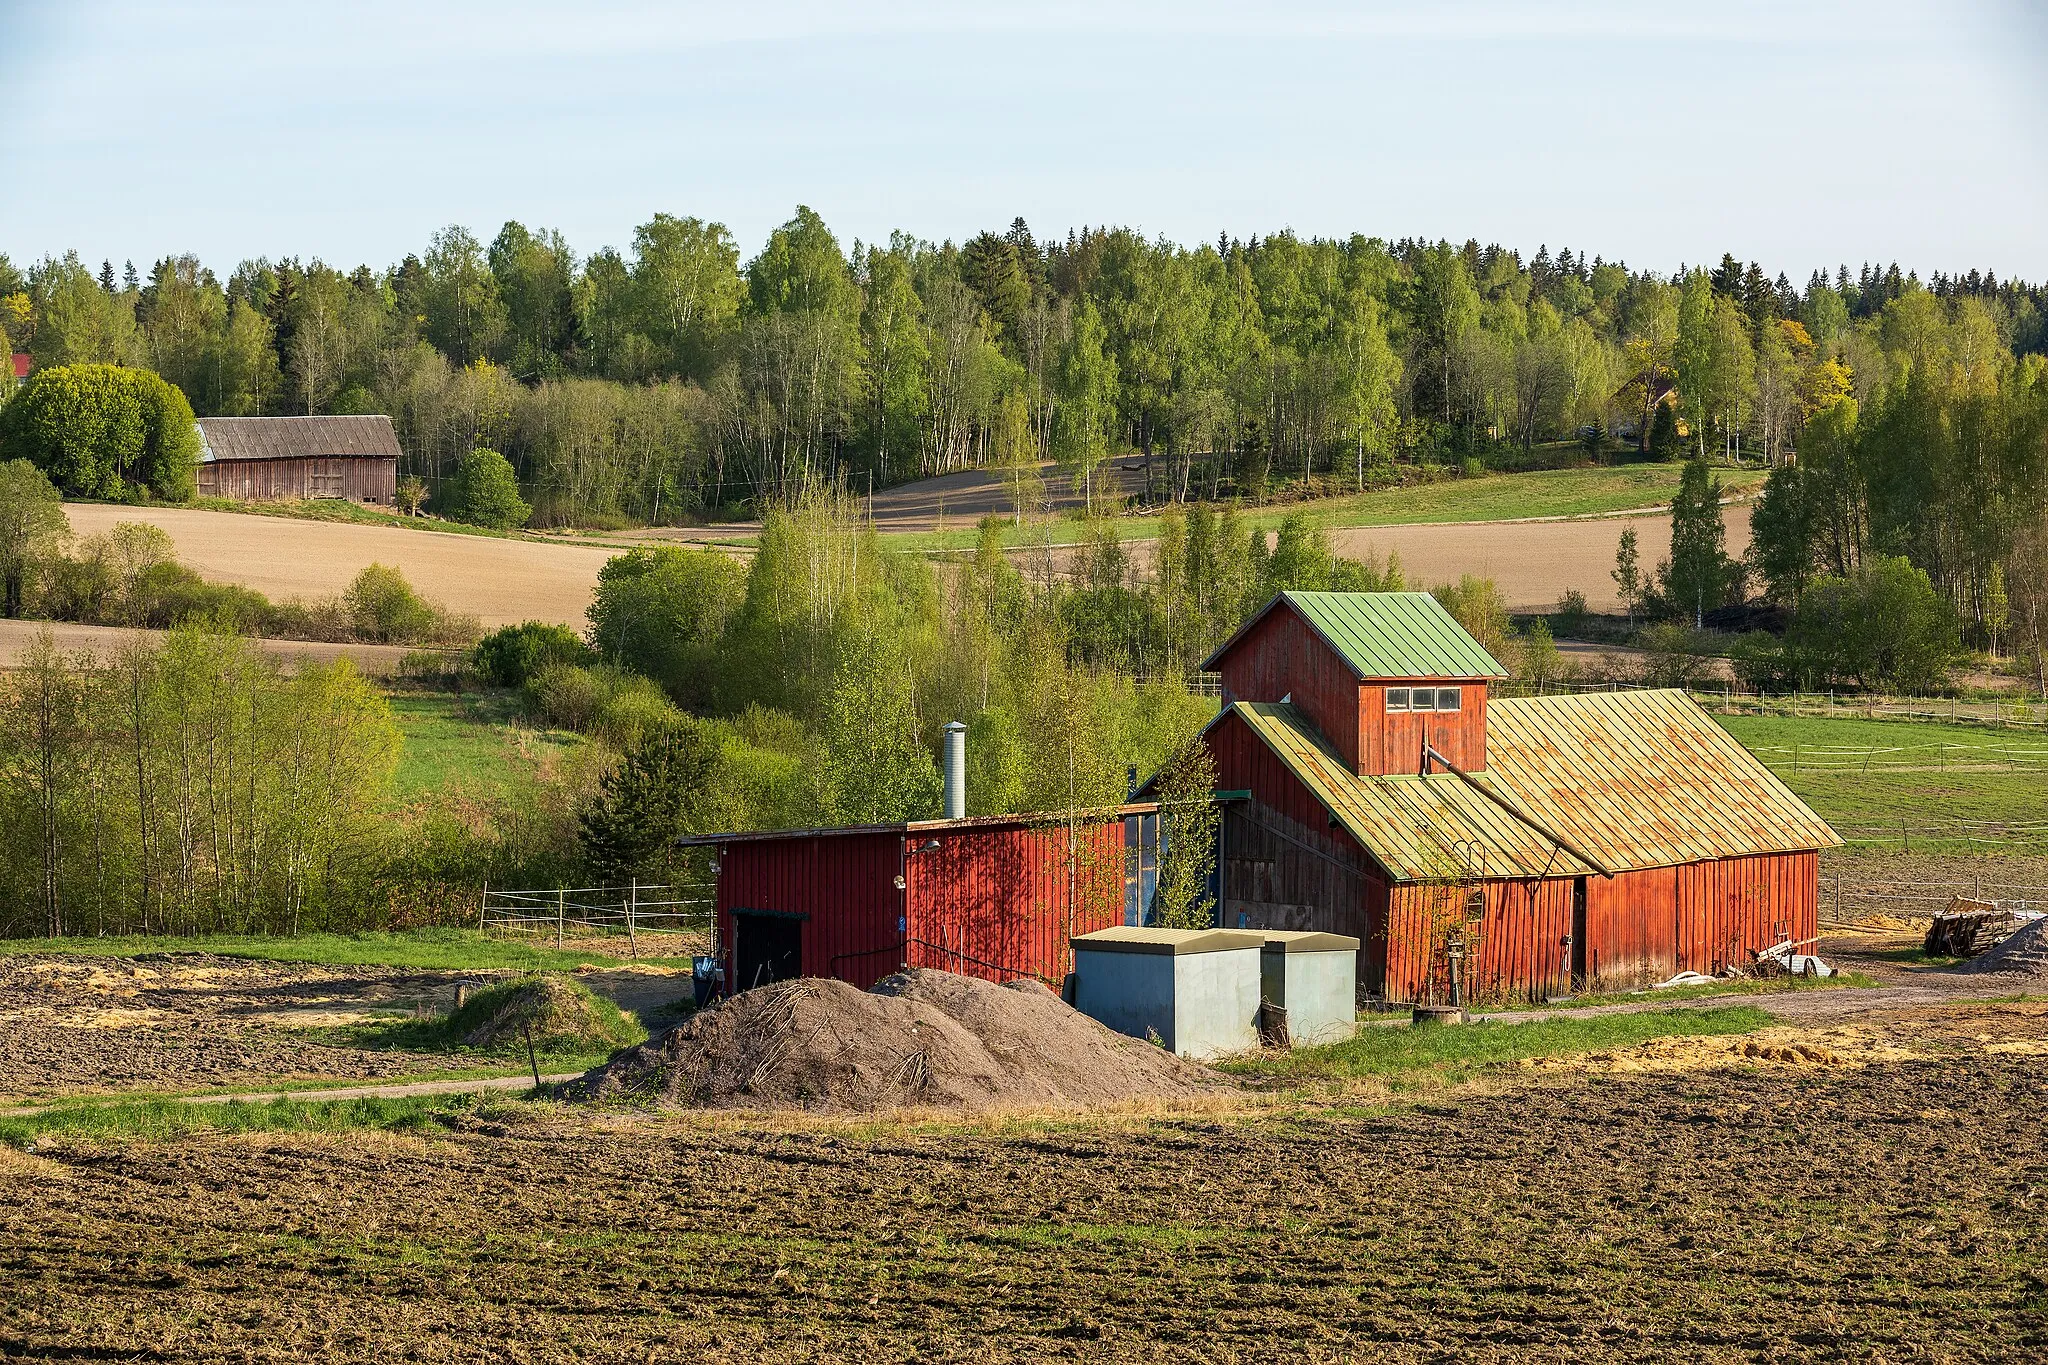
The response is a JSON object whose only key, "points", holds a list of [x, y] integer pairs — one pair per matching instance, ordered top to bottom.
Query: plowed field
{"points": [[1846, 1209]]}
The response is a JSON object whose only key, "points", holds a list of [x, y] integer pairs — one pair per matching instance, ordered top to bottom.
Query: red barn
{"points": [[1542, 845], [995, 897]]}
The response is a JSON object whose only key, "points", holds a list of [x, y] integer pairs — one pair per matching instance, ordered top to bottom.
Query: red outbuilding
{"points": [[1532, 846], [994, 897]]}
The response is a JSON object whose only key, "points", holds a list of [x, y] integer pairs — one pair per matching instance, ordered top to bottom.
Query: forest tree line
{"points": [[677, 377]]}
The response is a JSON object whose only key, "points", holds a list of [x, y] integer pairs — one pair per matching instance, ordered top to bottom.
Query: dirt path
{"points": [[500, 582]]}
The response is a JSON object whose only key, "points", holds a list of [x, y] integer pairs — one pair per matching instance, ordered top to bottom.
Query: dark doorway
{"points": [[1578, 933], [769, 947]]}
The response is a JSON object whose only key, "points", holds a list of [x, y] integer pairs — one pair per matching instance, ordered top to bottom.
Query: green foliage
{"points": [[104, 431], [487, 491], [32, 526], [1699, 575], [1477, 604], [383, 607], [665, 610], [1883, 627], [511, 655], [612, 703], [875, 766], [188, 783], [656, 794], [1189, 821]]}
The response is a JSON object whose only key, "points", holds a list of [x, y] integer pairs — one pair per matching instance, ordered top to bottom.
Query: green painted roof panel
{"points": [[1384, 634]]}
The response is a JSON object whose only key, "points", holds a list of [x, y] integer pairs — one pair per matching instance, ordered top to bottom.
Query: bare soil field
{"points": [[1534, 562], [500, 582], [17, 637], [72, 1025], [1889, 1206]]}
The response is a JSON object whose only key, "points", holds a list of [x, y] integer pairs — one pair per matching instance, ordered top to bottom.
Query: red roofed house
{"points": [[1542, 844]]}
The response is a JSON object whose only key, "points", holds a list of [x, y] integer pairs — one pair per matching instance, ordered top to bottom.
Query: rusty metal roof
{"points": [[297, 438], [1384, 634], [1634, 779]]}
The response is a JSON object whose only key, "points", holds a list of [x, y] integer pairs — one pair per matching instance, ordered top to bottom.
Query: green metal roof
{"points": [[1386, 634], [1636, 779]]}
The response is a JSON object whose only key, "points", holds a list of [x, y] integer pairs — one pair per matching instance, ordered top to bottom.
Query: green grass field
{"points": [[1490, 497], [480, 740], [1929, 776]]}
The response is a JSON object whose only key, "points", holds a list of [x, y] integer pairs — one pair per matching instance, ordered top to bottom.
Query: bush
{"points": [[104, 431], [486, 492], [383, 607], [663, 612], [1572, 612], [1882, 627], [511, 655], [619, 707]]}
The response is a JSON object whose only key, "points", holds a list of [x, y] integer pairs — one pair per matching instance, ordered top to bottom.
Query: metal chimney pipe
{"points": [[956, 771]]}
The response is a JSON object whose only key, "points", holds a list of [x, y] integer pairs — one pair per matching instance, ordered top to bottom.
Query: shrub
{"points": [[104, 431], [487, 492], [383, 607], [663, 612], [1572, 612], [1884, 626], [511, 655], [566, 695]]}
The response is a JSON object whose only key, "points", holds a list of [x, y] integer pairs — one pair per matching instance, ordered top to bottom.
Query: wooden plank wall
{"points": [[356, 479], [1282, 657], [1393, 740], [999, 902], [1729, 908], [1631, 927], [1517, 950]]}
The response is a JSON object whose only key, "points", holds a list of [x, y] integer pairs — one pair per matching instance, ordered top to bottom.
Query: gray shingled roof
{"points": [[296, 438]]}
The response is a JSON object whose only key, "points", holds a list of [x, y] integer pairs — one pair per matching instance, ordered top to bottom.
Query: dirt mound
{"points": [[2023, 953], [554, 1012], [919, 1038]]}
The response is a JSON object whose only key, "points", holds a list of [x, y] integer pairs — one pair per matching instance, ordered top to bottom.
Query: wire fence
{"points": [[1727, 698], [1845, 900], [680, 918]]}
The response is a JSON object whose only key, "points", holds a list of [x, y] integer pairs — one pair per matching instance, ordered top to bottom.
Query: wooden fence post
{"points": [[560, 894], [632, 905], [483, 908]]}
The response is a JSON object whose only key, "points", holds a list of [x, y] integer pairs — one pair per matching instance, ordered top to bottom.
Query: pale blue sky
{"points": [[1799, 134]]}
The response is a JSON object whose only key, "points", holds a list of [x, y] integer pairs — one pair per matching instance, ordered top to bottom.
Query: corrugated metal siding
{"points": [[297, 438], [1644, 779], [1410, 826], [844, 883], [1001, 903]]}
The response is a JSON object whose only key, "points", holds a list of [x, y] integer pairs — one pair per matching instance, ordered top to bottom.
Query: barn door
{"points": [[1578, 952]]}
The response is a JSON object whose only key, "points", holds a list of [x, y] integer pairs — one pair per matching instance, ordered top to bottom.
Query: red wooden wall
{"points": [[1281, 657], [844, 883], [995, 901], [1000, 902], [1731, 906], [1518, 949]]}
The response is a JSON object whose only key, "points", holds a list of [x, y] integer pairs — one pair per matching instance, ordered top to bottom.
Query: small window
{"points": [[1397, 698], [1449, 698]]}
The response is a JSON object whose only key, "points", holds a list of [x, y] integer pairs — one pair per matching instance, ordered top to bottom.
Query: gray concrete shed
{"points": [[1314, 977], [1197, 990]]}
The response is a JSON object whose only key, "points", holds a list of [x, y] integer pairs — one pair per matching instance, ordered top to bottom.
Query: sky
{"points": [[1800, 133]]}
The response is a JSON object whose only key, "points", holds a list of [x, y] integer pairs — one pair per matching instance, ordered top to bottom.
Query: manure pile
{"points": [[920, 1037]]}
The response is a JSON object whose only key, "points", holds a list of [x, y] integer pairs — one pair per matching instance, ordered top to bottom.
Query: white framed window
{"points": [[1397, 698], [1450, 698]]}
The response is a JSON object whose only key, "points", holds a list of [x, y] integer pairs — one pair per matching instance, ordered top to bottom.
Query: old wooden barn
{"points": [[255, 459], [1542, 845], [995, 897]]}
